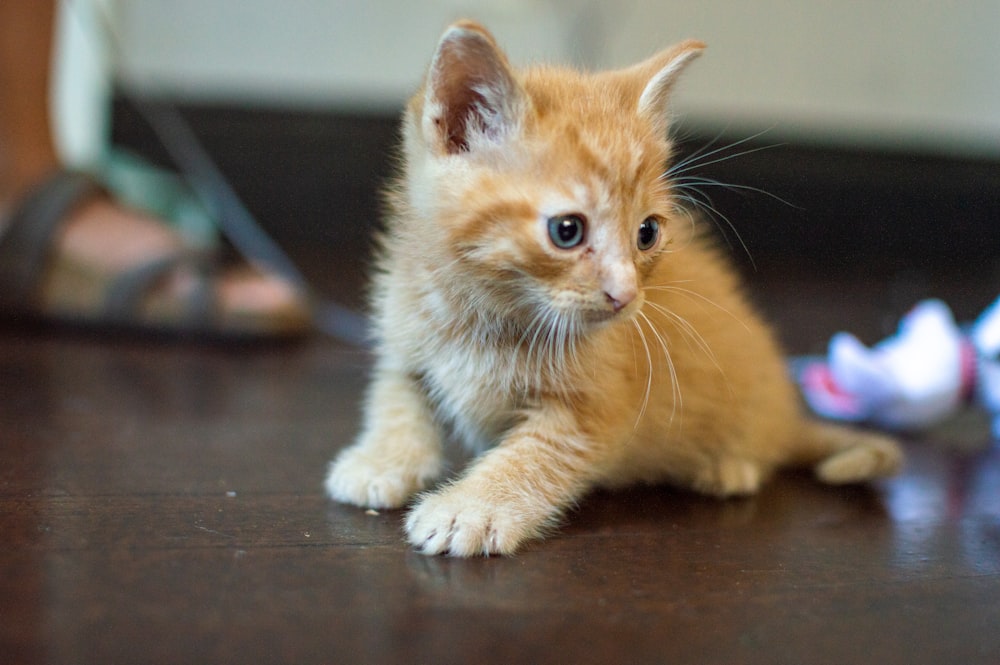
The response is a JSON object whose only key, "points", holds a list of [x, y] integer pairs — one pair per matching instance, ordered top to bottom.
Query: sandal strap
{"points": [[26, 238], [125, 295]]}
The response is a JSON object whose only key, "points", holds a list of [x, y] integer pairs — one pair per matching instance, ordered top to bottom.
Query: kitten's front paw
{"points": [[365, 479], [461, 522]]}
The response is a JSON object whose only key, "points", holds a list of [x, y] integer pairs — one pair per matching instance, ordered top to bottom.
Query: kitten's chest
{"points": [[477, 392]]}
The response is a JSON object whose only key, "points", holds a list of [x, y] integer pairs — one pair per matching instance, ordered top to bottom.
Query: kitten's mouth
{"points": [[613, 313]]}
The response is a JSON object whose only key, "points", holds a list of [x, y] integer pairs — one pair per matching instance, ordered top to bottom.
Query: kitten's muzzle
{"points": [[620, 301]]}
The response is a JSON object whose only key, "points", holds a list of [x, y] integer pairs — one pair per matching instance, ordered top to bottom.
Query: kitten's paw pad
{"points": [[876, 458], [730, 476], [359, 478], [460, 523]]}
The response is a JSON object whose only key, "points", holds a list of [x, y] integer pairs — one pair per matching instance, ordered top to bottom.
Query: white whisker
{"points": [[696, 159], [684, 182], [689, 188], [706, 204], [694, 295], [689, 331], [692, 336], [550, 347], [649, 373], [677, 404]]}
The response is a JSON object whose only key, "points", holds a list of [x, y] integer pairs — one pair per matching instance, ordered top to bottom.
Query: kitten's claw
{"points": [[365, 480], [459, 523]]}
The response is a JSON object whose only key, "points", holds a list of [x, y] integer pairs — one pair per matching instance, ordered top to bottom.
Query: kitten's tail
{"points": [[841, 455]]}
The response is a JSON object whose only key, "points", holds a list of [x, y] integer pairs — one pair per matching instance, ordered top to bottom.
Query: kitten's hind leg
{"points": [[397, 454], [842, 455], [729, 477]]}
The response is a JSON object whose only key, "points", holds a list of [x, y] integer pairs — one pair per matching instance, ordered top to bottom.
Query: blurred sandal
{"points": [[176, 286]]}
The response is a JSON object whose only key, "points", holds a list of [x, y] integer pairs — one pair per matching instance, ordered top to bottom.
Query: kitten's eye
{"points": [[567, 231], [649, 231]]}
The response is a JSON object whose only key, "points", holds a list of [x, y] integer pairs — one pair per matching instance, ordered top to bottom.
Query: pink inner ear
{"points": [[473, 87], [459, 116]]}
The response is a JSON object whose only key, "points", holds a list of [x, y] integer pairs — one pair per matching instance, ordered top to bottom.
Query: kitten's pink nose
{"points": [[619, 285], [620, 301]]}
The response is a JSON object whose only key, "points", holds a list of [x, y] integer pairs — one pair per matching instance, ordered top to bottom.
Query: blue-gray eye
{"points": [[567, 231], [649, 231]]}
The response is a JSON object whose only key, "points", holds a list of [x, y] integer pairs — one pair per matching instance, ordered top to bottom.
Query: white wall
{"points": [[918, 74]]}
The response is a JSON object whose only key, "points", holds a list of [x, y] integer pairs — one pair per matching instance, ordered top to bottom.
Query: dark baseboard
{"points": [[313, 178]]}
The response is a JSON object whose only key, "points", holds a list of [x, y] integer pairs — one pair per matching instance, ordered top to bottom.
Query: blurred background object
{"points": [[913, 74], [881, 122]]}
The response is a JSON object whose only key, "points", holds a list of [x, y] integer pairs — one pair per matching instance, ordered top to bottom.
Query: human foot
{"points": [[97, 246]]}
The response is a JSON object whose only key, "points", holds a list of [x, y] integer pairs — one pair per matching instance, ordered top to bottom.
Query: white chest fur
{"points": [[475, 390]]}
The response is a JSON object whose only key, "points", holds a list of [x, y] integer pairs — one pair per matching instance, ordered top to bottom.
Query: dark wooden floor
{"points": [[161, 503]]}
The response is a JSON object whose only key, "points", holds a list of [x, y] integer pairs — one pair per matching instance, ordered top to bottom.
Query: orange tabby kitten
{"points": [[543, 297]]}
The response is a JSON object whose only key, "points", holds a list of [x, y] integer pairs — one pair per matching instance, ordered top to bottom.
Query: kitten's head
{"points": [[541, 193]]}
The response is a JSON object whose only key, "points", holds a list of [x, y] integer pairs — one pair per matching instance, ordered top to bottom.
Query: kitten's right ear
{"points": [[471, 93]]}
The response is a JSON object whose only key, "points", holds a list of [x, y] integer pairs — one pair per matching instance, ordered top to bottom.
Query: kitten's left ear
{"points": [[659, 73], [471, 93]]}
